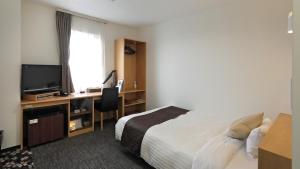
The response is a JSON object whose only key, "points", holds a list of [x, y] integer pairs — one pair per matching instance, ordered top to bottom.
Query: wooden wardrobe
{"points": [[130, 63]]}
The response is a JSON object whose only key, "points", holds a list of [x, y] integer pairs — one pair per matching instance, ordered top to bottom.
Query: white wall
{"points": [[39, 37], [232, 59], [10, 61], [296, 86]]}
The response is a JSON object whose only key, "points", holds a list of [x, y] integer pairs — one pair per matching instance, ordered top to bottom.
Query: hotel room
{"points": [[165, 84]]}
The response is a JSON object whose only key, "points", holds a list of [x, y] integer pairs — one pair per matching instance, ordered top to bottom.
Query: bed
{"points": [[190, 141]]}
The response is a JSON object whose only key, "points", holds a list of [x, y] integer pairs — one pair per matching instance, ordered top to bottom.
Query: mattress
{"points": [[168, 145]]}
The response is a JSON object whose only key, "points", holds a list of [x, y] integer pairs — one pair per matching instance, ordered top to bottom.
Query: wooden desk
{"points": [[66, 101], [275, 150]]}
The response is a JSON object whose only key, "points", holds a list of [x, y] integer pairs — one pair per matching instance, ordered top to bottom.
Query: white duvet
{"points": [[190, 141]]}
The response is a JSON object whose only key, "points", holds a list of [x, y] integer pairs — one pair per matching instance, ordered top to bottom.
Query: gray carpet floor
{"points": [[97, 150]]}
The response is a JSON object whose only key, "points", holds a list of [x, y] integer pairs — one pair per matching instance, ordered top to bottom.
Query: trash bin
{"points": [[1, 136]]}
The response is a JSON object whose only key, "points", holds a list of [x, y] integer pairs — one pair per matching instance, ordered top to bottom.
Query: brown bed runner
{"points": [[136, 127]]}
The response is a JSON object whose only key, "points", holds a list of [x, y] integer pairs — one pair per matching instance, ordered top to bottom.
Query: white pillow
{"points": [[255, 137]]}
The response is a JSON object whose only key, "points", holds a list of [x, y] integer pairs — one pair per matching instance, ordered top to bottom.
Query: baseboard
{"points": [[11, 148]]}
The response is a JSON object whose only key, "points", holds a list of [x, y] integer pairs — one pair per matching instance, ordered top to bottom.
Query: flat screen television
{"points": [[40, 78]]}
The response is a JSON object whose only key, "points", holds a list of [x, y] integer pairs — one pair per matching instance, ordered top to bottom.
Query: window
{"points": [[86, 54]]}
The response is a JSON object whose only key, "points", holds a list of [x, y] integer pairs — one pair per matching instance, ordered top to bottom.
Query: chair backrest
{"points": [[109, 99]]}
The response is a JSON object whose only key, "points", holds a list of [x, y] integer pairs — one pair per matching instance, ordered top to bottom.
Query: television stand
{"points": [[41, 96]]}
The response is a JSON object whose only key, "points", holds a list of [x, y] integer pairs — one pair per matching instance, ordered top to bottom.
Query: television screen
{"points": [[40, 78]]}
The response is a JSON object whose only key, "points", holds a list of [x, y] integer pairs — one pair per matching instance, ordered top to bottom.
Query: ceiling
{"points": [[133, 12]]}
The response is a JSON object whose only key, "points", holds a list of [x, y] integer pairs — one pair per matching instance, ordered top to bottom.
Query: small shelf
{"points": [[132, 91], [133, 103], [131, 112], [80, 114], [82, 128], [80, 131]]}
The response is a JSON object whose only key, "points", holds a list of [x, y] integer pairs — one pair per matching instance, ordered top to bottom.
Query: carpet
{"points": [[96, 150], [16, 159]]}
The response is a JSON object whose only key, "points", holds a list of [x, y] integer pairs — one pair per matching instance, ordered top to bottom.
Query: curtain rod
{"points": [[83, 16]]}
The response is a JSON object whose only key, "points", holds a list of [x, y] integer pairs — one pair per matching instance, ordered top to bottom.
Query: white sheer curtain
{"points": [[86, 53]]}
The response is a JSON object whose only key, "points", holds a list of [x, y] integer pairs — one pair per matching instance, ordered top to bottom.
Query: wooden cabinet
{"points": [[130, 63], [45, 129], [275, 150]]}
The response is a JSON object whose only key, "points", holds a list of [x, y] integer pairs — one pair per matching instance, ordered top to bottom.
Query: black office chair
{"points": [[109, 102]]}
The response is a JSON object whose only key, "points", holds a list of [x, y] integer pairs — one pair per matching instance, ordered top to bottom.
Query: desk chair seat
{"points": [[109, 102]]}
